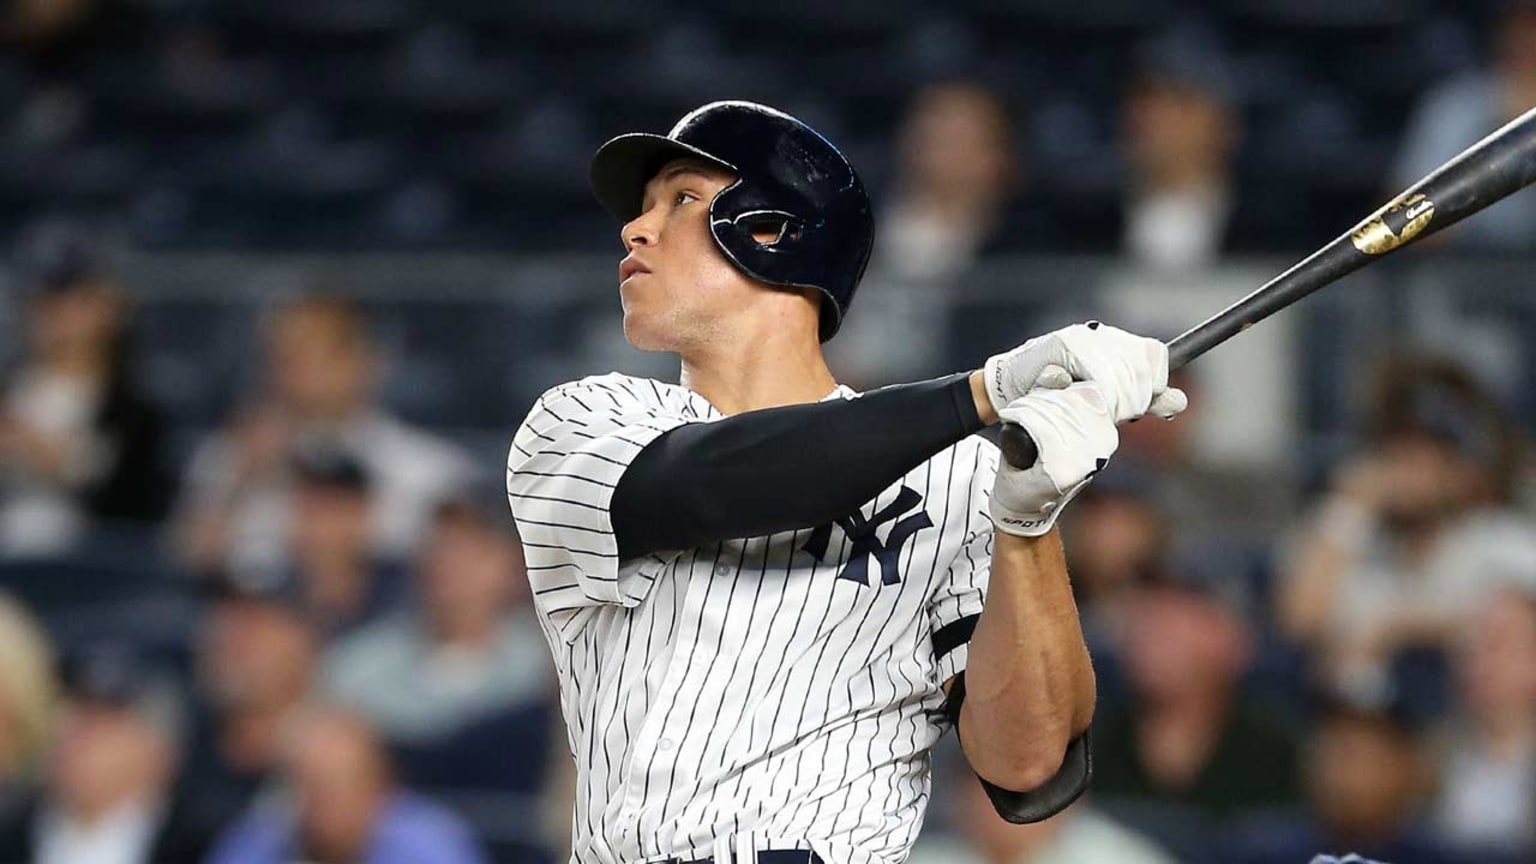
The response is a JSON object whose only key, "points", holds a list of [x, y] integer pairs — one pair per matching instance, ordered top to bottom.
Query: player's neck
{"points": [[763, 370]]}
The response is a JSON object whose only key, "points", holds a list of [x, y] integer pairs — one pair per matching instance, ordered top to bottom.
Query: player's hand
{"points": [[1131, 370], [1075, 433]]}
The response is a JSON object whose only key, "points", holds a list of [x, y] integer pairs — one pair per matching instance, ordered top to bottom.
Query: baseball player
{"points": [[764, 592]]}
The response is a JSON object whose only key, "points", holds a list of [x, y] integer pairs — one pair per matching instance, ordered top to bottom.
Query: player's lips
{"points": [[631, 266]]}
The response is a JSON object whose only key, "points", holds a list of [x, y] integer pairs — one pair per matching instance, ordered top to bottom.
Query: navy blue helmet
{"points": [[790, 181]]}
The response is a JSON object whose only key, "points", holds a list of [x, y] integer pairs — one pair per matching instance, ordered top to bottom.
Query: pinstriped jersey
{"points": [[767, 692]]}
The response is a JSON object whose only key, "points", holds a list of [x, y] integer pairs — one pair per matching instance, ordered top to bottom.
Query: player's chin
{"points": [[644, 331]]}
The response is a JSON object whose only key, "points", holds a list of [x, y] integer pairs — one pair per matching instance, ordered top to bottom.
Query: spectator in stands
{"points": [[38, 22], [52, 43], [1462, 110], [1182, 127], [957, 173], [320, 389], [78, 441], [1204, 498], [1415, 533], [1117, 543], [345, 586], [466, 651], [255, 663], [450, 681], [27, 702], [1188, 750], [1367, 776], [109, 790], [1487, 798], [345, 807], [977, 835]]}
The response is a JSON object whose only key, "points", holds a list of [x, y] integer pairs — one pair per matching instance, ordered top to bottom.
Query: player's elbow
{"points": [[1020, 763], [1025, 771]]}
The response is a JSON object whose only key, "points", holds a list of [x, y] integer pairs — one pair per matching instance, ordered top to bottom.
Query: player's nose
{"points": [[638, 231]]}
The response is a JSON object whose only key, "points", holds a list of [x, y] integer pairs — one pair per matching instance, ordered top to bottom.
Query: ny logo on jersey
{"points": [[861, 533]]}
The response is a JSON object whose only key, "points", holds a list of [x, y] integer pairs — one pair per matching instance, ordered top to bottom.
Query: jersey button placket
{"points": [[656, 756]]}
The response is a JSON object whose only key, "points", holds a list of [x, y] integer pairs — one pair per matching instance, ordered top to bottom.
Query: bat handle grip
{"points": [[1018, 448]]}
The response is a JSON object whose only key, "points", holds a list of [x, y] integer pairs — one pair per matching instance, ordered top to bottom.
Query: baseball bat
{"points": [[1488, 171]]}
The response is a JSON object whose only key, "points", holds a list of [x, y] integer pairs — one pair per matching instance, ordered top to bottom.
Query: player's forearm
{"points": [[984, 408], [783, 469], [1029, 683]]}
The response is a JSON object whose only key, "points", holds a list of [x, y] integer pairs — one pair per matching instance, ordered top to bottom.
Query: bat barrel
{"points": [[1494, 168]]}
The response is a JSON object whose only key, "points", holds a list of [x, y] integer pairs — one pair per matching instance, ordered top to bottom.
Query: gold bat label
{"points": [[1393, 225]]}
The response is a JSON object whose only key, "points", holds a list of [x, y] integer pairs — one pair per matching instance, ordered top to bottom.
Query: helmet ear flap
{"points": [[753, 233], [765, 238]]}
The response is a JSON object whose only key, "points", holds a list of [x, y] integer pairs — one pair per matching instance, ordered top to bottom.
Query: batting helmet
{"points": [[789, 180]]}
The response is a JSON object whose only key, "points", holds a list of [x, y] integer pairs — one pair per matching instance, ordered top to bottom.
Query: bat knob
{"points": [[1018, 448]]}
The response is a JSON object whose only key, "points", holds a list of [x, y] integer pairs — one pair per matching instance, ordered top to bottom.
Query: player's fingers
{"points": [[1053, 377], [1168, 404]]}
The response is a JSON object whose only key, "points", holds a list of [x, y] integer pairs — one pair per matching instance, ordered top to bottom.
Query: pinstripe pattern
{"points": [[740, 695]]}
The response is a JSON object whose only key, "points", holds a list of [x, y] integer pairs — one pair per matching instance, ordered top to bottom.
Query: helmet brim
{"points": [[621, 168]]}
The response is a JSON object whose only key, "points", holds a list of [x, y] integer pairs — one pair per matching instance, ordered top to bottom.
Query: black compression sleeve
{"points": [[781, 469]]}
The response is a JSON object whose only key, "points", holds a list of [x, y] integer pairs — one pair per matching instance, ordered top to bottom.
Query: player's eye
{"points": [[683, 198]]}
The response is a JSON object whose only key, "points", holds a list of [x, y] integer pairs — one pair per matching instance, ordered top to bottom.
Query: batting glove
{"points": [[1131, 370], [1075, 434]]}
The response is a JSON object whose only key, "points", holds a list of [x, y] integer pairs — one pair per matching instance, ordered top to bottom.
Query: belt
{"points": [[766, 856]]}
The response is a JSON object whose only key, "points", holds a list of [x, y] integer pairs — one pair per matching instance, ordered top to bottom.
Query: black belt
{"points": [[766, 856]]}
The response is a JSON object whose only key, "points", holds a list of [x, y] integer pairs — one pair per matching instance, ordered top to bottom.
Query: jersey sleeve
{"points": [[566, 460], [956, 604]]}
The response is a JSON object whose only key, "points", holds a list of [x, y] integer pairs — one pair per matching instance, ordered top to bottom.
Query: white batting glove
{"points": [[1131, 370], [1075, 434]]}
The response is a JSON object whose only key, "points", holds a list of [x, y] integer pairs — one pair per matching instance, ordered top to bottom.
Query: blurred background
{"points": [[280, 279]]}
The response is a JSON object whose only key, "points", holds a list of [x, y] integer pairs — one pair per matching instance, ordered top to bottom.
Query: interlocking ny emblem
{"points": [[861, 534]]}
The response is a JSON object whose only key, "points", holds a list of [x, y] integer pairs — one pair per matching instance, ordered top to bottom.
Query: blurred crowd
{"points": [[380, 124], [359, 626], [302, 632]]}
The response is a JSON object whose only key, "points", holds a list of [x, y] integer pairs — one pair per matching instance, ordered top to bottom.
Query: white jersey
{"points": [[775, 692]]}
